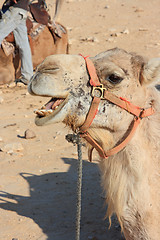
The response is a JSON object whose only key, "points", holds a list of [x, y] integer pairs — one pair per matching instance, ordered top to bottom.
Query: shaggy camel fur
{"points": [[130, 178]]}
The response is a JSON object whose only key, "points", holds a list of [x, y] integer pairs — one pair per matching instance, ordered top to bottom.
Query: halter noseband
{"points": [[136, 111]]}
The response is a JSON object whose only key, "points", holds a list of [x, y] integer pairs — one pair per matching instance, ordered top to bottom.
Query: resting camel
{"points": [[44, 44], [120, 118]]}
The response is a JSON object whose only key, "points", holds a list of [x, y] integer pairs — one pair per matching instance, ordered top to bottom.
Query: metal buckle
{"points": [[98, 91]]}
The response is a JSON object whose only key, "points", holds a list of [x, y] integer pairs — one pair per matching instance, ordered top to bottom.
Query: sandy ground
{"points": [[38, 183]]}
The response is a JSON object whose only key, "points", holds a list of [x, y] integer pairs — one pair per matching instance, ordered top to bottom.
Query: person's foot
{"points": [[22, 80]]}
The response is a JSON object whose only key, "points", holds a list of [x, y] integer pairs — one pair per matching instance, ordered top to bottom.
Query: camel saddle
{"points": [[39, 13]]}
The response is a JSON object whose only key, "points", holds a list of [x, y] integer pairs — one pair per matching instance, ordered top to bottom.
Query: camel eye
{"points": [[114, 78]]}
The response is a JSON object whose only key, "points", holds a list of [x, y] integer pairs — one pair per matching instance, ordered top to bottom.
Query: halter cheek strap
{"points": [[136, 111]]}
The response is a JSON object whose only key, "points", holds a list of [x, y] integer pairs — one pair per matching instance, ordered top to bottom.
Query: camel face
{"points": [[62, 78], [65, 79]]}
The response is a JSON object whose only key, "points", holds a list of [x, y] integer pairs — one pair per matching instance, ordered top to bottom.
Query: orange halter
{"points": [[136, 111]]}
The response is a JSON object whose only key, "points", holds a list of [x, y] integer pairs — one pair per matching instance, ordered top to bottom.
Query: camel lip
{"points": [[49, 110]]}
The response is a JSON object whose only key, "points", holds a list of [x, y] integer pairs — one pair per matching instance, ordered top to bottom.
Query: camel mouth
{"points": [[49, 110]]}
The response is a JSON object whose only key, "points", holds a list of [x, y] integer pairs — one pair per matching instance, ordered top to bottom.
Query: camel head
{"points": [[65, 79]]}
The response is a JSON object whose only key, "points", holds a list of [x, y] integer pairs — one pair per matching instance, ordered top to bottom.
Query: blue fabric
{"points": [[15, 20]]}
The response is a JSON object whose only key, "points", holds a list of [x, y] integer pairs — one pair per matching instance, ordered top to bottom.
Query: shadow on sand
{"points": [[52, 204]]}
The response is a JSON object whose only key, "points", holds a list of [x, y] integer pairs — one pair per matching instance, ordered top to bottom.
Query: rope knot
{"points": [[73, 138]]}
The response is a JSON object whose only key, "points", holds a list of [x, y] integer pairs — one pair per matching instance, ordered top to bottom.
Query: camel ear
{"points": [[151, 72]]}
